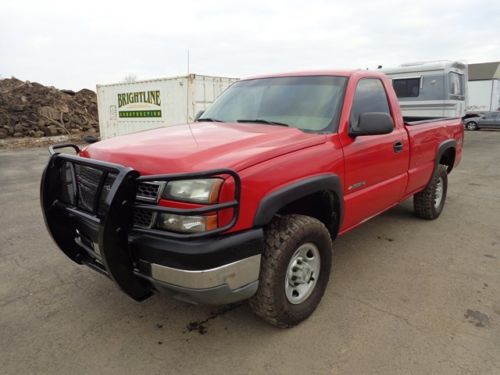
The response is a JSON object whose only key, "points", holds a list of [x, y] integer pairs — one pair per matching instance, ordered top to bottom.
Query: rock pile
{"points": [[29, 109]]}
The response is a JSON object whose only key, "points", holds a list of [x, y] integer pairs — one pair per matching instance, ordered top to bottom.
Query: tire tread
{"points": [[423, 202], [281, 230]]}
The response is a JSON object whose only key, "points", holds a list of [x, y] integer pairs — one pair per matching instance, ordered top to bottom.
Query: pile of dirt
{"points": [[29, 109]]}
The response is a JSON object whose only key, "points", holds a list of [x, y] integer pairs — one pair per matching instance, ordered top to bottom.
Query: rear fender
{"points": [[443, 147]]}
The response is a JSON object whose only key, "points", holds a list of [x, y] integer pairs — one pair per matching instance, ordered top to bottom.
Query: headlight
{"points": [[197, 191], [187, 224]]}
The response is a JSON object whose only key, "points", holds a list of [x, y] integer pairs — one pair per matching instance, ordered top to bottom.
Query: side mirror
{"points": [[198, 115], [372, 123]]}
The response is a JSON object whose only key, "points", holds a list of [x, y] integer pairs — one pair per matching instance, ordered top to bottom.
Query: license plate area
{"points": [[91, 247]]}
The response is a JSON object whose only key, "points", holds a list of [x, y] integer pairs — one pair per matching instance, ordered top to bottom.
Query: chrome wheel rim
{"points": [[471, 126], [439, 193], [302, 273]]}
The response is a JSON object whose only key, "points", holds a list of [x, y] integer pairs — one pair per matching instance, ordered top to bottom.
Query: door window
{"points": [[370, 96]]}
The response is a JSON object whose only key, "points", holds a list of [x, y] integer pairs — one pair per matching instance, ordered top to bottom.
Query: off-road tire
{"points": [[424, 201], [282, 237]]}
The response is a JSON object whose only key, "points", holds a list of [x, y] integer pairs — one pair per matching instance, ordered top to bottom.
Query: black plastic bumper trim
{"points": [[195, 254]]}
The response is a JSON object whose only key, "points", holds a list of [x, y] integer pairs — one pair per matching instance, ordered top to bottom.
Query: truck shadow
{"points": [[165, 315], [161, 325]]}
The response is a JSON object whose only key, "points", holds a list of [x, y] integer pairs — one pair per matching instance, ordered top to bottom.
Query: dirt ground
{"points": [[406, 296]]}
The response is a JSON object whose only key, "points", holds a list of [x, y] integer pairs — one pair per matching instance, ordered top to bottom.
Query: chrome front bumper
{"points": [[228, 283]]}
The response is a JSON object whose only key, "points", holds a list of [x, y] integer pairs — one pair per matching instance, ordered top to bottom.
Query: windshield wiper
{"points": [[208, 119], [262, 121]]}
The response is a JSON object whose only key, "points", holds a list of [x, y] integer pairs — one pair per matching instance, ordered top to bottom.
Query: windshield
{"points": [[308, 103]]}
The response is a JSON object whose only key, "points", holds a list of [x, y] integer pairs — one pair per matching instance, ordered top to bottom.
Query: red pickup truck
{"points": [[245, 202]]}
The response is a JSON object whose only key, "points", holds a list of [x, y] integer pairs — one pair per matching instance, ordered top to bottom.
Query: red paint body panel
{"points": [[424, 142], [201, 146], [267, 158], [372, 162]]}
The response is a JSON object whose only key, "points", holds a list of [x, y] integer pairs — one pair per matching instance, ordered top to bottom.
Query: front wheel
{"points": [[429, 203], [295, 270]]}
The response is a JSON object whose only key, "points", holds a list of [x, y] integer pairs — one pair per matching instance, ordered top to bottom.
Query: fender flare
{"points": [[442, 148], [277, 199]]}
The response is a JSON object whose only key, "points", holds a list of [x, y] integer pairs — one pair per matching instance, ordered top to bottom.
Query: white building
{"points": [[484, 87]]}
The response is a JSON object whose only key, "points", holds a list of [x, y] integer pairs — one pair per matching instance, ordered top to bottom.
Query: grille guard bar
{"points": [[53, 148], [194, 211], [114, 222]]}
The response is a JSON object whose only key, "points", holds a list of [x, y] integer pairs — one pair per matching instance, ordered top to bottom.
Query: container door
{"points": [[205, 90], [113, 121]]}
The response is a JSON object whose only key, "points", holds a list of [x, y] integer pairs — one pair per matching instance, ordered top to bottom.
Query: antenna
{"points": [[188, 61]]}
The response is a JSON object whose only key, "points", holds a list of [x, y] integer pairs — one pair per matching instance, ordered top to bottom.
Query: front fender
{"points": [[277, 199]]}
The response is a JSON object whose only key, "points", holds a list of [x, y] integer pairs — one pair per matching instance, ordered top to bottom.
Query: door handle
{"points": [[398, 146]]}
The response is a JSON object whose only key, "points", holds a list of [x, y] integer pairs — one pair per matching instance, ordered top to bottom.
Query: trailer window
{"points": [[456, 84], [406, 87]]}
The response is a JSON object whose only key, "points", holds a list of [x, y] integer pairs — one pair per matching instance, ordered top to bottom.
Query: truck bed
{"points": [[419, 120], [425, 140]]}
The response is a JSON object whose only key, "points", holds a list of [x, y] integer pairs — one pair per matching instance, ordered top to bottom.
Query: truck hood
{"points": [[201, 146]]}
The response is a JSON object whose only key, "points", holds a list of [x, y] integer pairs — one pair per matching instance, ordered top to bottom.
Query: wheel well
{"points": [[448, 158], [322, 205]]}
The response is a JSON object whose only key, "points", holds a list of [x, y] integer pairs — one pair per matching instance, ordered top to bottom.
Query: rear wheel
{"points": [[471, 125], [429, 203], [295, 270]]}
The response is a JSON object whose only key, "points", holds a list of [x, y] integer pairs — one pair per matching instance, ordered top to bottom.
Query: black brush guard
{"points": [[110, 219]]}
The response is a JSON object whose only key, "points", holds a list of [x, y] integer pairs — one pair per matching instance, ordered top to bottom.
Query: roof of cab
{"points": [[338, 73]]}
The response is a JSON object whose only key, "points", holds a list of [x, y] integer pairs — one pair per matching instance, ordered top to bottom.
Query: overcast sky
{"points": [[78, 44]]}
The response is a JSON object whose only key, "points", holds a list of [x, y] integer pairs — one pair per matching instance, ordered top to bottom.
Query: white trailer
{"points": [[484, 88], [431, 89], [484, 96], [133, 107]]}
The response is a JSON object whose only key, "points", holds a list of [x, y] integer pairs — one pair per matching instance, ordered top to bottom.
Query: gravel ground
{"points": [[406, 296]]}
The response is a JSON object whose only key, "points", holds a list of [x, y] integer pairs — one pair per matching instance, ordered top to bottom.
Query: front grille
{"points": [[87, 181], [79, 185], [68, 188], [106, 188], [148, 191], [82, 194], [143, 218]]}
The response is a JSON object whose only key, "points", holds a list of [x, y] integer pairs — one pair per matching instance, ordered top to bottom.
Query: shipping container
{"points": [[133, 107]]}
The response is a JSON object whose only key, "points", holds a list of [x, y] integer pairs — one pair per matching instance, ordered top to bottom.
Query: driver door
{"points": [[376, 166]]}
